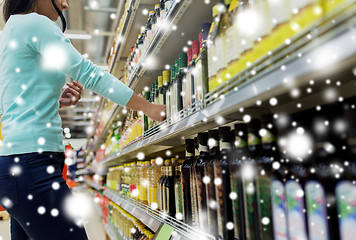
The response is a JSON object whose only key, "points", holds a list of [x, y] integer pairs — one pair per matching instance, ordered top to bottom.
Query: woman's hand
{"points": [[71, 95], [153, 111], [156, 112]]}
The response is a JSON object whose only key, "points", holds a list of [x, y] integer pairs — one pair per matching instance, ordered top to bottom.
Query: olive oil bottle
{"points": [[186, 170], [208, 180], [223, 185], [200, 186]]}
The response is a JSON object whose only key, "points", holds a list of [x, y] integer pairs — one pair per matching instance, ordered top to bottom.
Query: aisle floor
{"points": [[92, 222]]}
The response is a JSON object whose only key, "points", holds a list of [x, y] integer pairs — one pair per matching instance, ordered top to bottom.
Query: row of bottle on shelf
{"points": [[153, 24], [220, 53], [212, 59], [243, 185], [127, 225]]}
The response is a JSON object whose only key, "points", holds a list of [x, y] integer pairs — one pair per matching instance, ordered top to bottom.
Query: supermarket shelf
{"points": [[182, 13], [131, 28], [124, 31], [316, 55], [84, 171], [94, 185], [98, 210], [154, 219], [112, 232]]}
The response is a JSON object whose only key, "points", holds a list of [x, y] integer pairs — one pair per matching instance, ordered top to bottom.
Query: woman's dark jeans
{"points": [[33, 192]]}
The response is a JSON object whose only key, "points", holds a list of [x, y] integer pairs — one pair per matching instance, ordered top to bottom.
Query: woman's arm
{"points": [[153, 111]]}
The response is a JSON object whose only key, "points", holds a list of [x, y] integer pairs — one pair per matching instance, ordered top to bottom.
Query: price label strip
{"points": [[164, 233]]}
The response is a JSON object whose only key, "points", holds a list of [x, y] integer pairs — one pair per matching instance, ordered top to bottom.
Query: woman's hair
{"points": [[12, 7]]}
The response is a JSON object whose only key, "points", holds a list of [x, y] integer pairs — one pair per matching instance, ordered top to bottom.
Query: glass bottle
{"points": [[201, 86], [159, 90], [238, 156], [167, 163], [186, 166], [278, 174], [156, 175], [208, 179], [223, 185], [200, 186], [159, 188], [193, 190], [178, 192], [170, 197]]}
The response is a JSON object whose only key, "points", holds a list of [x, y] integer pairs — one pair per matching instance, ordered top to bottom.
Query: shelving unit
{"points": [[303, 64], [238, 96], [94, 185], [155, 219], [112, 232]]}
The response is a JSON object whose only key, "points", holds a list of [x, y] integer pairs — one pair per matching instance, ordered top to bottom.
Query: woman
{"points": [[34, 58]]}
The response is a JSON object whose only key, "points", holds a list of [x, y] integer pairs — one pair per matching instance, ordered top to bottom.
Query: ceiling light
{"points": [[96, 31], [78, 36]]}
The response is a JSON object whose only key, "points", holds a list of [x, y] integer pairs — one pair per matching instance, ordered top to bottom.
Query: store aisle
{"points": [[92, 221], [5, 230]]}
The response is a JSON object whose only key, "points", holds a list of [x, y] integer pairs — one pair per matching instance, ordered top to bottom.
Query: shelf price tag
{"points": [[165, 232]]}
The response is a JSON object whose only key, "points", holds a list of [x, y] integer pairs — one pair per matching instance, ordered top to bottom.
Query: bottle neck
{"points": [[225, 145], [203, 148]]}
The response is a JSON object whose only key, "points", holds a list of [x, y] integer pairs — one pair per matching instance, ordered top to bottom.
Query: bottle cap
{"points": [[157, 6], [216, 10], [151, 13], [205, 28], [196, 48], [190, 56], [183, 58], [173, 72], [166, 73], [160, 81], [254, 126], [240, 130], [214, 134], [225, 134], [203, 138], [189, 145], [153, 160]]}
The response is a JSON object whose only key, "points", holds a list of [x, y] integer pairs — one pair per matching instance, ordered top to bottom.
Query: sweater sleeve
{"points": [[57, 53]]}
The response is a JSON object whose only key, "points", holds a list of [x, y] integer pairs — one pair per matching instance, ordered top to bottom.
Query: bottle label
{"points": [[279, 12], [230, 44], [198, 81], [187, 90], [268, 137], [253, 140], [240, 143], [225, 145], [203, 148], [188, 154], [218, 179], [235, 181], [263, 186], [193, 195], [201, 195], [167, 199], [178, 199], [211, 199], [346, 203], [295, 207], [316, 208], [279, 210]]}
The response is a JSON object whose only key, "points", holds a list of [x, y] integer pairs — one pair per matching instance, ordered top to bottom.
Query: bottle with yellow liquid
{"points": [[330, 5], [305, 13], [220, 42], [212, 55], [155, 176], [149, 178], [144, 182], [159, 188], [165, 207]]}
